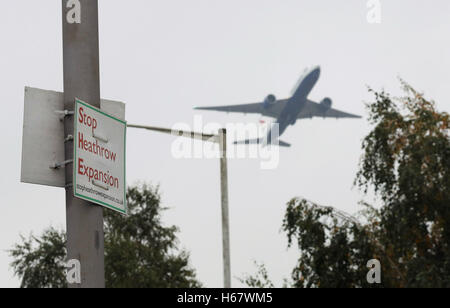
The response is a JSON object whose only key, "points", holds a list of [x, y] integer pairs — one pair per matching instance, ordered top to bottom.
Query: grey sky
{"points": [[164, 57]]}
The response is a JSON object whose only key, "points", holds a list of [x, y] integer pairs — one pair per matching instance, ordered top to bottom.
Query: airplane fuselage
{"points": [[296, 103], [286, 112]]}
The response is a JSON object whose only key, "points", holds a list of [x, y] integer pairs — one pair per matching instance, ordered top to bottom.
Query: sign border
{"points": [[75, 140]]}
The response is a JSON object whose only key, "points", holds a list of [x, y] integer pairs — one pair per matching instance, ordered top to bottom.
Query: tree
{"points": [[406, 160], [334, 248], [139, 251], [39, 262], [260, 280]]}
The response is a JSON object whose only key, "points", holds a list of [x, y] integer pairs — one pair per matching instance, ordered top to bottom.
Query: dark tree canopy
{"points": [[406, 161], [334, 250], [139, 251], [39, 262], [260, 280]]}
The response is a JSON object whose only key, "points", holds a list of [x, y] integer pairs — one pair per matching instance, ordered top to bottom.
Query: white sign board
{"points": [[43, 135], [43, 138], [99, 157]]}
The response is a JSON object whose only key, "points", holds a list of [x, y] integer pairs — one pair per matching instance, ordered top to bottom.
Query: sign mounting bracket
{"points": [[61, 165]]}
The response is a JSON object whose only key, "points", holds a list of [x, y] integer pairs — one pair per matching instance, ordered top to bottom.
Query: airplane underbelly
{"points": [[291, 114], [281, 128]]}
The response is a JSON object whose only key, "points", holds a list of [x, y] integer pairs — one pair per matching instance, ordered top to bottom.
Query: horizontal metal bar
{"points": [[64, 113], [180, 133]]}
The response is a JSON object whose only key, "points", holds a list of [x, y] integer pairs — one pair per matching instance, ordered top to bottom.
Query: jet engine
{"points": [[270, 100], [326, 104]]}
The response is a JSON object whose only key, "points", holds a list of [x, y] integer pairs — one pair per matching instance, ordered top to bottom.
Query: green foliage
{"points": [[406, 160], [334, 250], [139, 251], [41, 266], [260, 280]]}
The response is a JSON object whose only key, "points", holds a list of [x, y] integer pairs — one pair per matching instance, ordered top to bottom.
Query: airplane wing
{"points": [[313, 109], [274, 110]]}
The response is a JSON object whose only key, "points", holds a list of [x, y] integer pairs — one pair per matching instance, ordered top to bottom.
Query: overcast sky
{"points": [[164, 57]]}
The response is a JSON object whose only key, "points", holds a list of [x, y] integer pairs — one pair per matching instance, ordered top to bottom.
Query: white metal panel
{"points": [[114, 108], [43, 135], [43, 138]]}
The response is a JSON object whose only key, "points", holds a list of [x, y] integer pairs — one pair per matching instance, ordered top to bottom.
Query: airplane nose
{"points": [[318, 70]]}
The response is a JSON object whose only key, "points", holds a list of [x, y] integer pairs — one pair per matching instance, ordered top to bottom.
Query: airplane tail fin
{"points": [[261, 141], [283, 144]]}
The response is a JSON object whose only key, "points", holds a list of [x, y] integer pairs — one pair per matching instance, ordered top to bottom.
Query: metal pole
{"points": [[222, 140], [225, 213], [85, 238]]}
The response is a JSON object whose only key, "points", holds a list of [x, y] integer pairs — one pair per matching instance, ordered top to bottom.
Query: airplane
{"points": [[287, 111]]}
